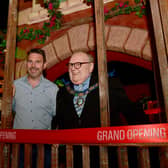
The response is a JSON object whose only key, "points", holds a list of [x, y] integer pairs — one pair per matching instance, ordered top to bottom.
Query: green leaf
{"points": [[137, 1], [126, 2], [116, 4], [56, 5], [114, 8], [137, 8], [127, 10], [143, 11], [120, 12], [137, 13], [58, 15], [106, 17], [31, 29], [21, 32], [48, 33]]}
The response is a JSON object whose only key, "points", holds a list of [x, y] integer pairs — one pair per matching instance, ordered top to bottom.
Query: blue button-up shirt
{"points": [[34, 107]]}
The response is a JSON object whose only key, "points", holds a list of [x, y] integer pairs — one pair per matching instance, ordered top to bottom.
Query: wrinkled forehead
{"points": [[79, 57]]}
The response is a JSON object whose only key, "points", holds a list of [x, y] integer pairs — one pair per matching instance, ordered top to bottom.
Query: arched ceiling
{"points": [[123, 44]]}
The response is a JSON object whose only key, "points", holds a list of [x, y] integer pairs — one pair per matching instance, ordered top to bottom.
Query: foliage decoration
{"points": [[122, 8], [55, 21], [41, 34], [2, 47]]}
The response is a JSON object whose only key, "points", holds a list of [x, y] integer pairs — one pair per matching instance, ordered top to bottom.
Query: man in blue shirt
{"points": [[34, 101]]}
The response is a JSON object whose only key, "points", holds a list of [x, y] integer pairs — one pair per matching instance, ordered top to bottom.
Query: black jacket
{"points": [[120, 105]]}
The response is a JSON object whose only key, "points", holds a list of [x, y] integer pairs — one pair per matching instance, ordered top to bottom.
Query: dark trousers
{"points": [[47, 156]]}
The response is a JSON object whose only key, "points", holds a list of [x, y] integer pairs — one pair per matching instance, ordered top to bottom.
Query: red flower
{"points": [[121, 4], [50, 6], [143, 7], [105, 10], [53, 18], [52, 23], [25, 30], [41, 36]]}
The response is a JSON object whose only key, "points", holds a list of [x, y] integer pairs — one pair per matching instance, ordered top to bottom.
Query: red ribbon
{"points": [[152, 133]]}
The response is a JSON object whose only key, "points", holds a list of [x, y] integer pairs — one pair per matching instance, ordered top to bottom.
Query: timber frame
{"points": [[158, 10]]}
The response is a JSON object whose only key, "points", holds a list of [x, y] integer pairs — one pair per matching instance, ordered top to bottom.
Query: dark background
{"points": [[3, 13]]}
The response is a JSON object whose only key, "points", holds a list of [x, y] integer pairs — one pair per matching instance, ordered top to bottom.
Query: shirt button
{"points": [[30, 101], [30, 110], [32, 120]]}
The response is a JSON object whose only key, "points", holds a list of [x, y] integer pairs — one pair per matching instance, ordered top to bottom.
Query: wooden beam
{"points": [[163, 5], [159, 12], [160, 37], [102, 63], [9, 65], [103, 78], [6, 113], [122, 154], [15, 155], [28, 155], [54, 156], [69, 156], [86, 156], [143, 157], [40, 159]]}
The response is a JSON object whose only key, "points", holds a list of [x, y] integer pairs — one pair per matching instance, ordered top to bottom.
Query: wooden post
{"points": [[160, 17], [160, 36], [102, 63], [9, 66], [103, 76], [6, 114], [40, 151], [15, 154], [28, 155], [54, 156], [69, 156], [85, 156], [122, 157], [143, 157]]}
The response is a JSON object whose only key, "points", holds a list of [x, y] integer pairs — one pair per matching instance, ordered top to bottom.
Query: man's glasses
{"points": [[77, 65]]}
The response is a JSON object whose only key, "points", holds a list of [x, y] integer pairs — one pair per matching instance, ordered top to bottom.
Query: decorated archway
{"points": [[123, 44]]}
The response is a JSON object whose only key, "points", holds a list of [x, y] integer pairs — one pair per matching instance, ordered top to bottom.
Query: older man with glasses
{"points": [[78, 103]]}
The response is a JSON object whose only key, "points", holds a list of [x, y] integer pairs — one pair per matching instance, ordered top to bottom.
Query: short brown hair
{"points": [[38, 51]]}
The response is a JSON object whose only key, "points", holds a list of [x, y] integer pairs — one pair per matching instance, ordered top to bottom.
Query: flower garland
{"points": [[122, 8], [55, 21], [41, 34]]}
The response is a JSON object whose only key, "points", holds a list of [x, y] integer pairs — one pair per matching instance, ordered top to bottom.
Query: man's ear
{"points": [[45, 65], [91, 67]]}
